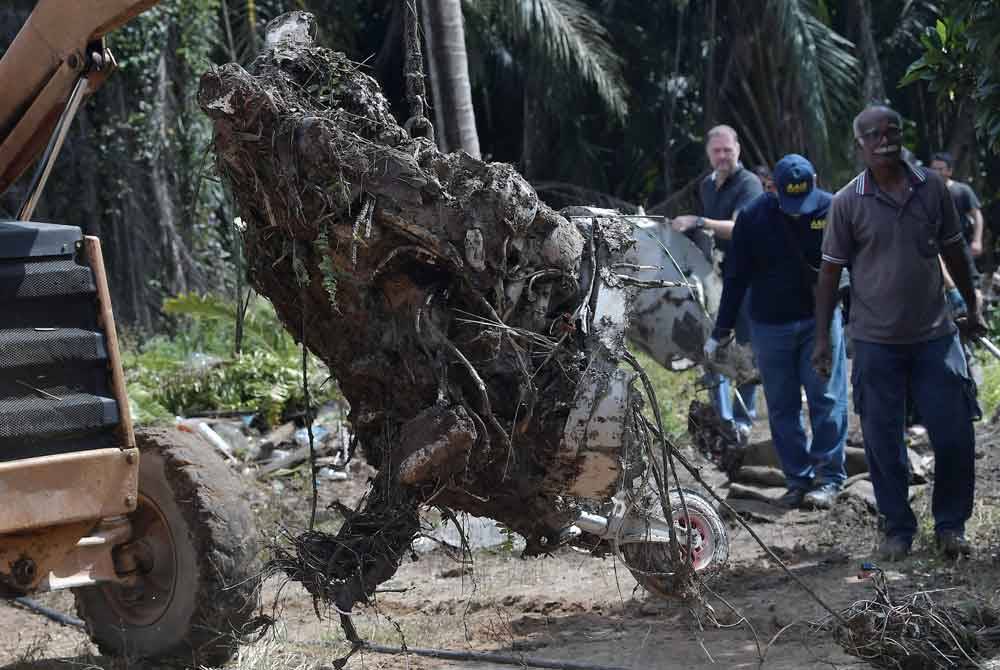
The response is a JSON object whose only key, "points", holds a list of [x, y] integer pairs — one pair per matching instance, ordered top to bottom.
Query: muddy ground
{"points": [[574, 607]]}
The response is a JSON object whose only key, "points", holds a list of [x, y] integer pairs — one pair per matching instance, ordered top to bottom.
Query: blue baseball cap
{"points": [[795, 181]]}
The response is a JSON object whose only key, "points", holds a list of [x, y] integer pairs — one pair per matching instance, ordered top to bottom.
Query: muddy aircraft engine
{"points": [[479, 336]]}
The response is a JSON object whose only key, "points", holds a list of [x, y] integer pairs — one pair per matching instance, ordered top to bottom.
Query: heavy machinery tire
{"points": [[649, 562], [197, 586]]}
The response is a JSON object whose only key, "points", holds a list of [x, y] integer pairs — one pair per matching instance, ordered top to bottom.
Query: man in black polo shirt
{"points": [[724, 193], [966, 202], [890, 224], [776, 252]]}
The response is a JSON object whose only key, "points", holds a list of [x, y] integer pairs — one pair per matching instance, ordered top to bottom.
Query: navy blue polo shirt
{"points": [[725, 202], [761, 258]]}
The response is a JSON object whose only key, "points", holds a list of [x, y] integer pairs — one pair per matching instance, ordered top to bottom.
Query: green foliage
{"points": [[559, 36], [960, 60], [827, 70], [150, 128], [326, 268], [194, 370], [989, 390], [674, 392]]}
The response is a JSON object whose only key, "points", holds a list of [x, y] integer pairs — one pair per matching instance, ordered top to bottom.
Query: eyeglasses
{"points": [[871, 135]]}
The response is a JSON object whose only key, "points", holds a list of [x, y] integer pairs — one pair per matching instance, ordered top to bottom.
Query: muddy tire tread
{"points": [[221, 525]]}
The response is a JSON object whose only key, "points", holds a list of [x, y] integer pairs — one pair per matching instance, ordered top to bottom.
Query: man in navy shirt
{"points": [[724, 192], [775, 254]]}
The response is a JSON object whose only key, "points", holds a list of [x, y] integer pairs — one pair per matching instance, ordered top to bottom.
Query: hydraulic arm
{"points": [[57, 59]]}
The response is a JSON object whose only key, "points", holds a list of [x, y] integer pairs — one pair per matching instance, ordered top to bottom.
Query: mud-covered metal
{"points": [[455, 288], [672, 323], [598, 431]]}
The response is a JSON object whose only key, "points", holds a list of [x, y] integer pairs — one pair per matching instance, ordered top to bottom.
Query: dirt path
{"points": [[571, 606]]}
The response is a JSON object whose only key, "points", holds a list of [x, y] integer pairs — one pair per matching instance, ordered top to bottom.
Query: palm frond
{"points": [[914, 17], [568, 35], [827, 69]]}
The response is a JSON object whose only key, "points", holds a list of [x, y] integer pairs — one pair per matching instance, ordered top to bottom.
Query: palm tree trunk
{"points": [[448, 66], [434, 77], [873, 88], [710, 89], [669, 117]]}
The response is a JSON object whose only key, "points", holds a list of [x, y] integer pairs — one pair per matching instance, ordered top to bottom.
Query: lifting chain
{"points": [[418, 125]]}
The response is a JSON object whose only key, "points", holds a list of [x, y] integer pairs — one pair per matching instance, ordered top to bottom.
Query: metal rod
{"points": [[52, 150], [990, 347], [739, 400], [592, 523]]}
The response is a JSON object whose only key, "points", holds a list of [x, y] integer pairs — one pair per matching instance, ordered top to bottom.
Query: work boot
{"points": [[821, 497], [792, 498], [953, 544], [893, 548]]}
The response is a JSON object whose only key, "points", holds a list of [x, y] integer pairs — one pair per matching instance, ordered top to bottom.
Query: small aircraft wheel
{"points": [[649, 562]]}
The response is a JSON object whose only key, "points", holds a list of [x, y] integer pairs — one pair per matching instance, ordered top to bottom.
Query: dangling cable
{"points": [[418, 125]]}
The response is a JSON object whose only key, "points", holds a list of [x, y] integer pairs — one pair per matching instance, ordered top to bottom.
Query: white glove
{"points": [[714, 346], [711, 347]]}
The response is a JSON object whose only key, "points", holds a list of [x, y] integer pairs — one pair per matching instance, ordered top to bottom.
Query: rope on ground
{"points": [[49, 613], [488, 657]]}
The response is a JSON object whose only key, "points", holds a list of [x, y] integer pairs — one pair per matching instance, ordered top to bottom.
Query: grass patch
{"points": [[989, 390], [674, 392]]}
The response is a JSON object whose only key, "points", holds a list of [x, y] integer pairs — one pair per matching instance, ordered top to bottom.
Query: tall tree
{"points": [[448, 68], [873, 89]]}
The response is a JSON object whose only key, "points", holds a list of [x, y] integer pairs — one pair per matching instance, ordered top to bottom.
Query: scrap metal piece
{"points": [[670, 324], [598, 432]]}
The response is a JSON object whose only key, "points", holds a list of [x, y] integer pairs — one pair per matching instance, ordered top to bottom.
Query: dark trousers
{"points": [[783, 356], [936, 373]]}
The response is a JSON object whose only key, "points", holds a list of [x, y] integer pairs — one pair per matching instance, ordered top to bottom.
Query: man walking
{"points": [[724, 193], [966, 202], [889, 224], [775, 252]]}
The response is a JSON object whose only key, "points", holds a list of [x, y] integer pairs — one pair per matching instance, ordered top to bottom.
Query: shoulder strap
{"points": [[809, 273]]}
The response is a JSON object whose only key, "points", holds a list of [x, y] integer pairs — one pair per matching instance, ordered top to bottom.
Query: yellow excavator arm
{"points": [[57, 59]]}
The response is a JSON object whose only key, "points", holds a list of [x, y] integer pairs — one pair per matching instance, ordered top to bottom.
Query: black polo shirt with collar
{"points": [[725, 202]]}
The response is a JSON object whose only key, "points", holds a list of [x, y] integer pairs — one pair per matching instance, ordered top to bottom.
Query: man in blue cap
{"points": [[775, 253]]}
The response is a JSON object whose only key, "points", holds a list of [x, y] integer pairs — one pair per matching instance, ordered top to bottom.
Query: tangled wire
{"points": [[915, 633]]}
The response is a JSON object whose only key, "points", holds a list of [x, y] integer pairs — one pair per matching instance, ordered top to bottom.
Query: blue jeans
{"points": [[784, 353], [937, 376], [720, 387]]}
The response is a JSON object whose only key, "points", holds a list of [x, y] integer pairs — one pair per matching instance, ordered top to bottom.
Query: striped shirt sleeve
{"points": [[838, 240]]}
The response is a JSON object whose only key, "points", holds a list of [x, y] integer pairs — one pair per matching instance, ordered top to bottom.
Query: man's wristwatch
{"points": [[699, 222]]}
